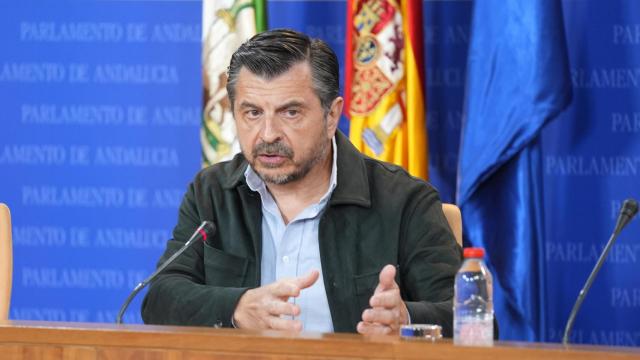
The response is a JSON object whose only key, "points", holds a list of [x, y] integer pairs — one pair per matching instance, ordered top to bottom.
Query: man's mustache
{"points": [[276, 148]]}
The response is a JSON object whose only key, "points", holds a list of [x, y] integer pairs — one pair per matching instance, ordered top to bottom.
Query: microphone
{"points": [[627, 212], [205, 229]]}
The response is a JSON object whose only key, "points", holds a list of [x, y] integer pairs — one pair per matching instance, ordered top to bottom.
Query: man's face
{"points": [[282, 128]]}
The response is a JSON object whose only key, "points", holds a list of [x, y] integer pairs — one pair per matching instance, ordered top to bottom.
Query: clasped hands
{"points": [[267, 307]]}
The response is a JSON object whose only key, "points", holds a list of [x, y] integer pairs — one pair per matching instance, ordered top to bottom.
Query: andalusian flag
{"points": [[225, 25], [384, 88]]}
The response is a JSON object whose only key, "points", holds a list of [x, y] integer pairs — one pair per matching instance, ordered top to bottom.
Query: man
{"points": [[312, 235]]}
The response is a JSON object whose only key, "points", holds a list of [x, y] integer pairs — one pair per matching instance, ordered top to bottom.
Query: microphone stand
{"points": [[629, 210], [199, 231]]}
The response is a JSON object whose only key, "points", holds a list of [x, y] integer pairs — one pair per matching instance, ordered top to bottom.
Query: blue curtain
{"points": [[518, 80]]}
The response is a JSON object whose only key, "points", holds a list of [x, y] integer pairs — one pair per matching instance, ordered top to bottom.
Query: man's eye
{"points": [[253, 113], [292, 113]]}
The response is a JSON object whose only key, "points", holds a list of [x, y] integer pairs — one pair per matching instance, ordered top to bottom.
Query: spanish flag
{"points": [[384, 84]]}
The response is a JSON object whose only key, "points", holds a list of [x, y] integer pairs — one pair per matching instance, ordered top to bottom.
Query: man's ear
{"points": [[333, 116]]}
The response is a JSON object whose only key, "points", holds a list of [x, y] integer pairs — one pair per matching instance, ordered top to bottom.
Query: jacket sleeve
{"points": [[429, 260], [180, 296]]}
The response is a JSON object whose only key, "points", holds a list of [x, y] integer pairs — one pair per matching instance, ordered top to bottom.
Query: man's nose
{"points": [[271, 130]]}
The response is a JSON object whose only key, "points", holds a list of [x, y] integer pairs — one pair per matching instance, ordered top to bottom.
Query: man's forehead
{"points": [[299, 70], [293, 86], [283, 104]]}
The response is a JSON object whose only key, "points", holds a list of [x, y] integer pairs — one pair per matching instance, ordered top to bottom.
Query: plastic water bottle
{"points": [[473, 301]]}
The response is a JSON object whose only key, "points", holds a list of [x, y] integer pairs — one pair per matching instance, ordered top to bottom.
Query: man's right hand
{"points": [[262, 308]]}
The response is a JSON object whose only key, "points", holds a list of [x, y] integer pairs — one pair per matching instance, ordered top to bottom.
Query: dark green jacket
{"points": [[377, 215]]}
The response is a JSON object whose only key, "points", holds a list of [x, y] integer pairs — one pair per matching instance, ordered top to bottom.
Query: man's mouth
{"points": [[272, 155], [271, 159]]}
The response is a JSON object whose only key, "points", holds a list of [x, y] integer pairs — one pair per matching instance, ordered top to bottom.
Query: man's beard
{"points": [[301, 169]]}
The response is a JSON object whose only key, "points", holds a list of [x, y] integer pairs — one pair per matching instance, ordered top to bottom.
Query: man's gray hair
{"points": [[272, 53]]}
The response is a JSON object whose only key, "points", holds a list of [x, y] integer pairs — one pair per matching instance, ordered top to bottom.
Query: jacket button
{"points": [[334, 284]]}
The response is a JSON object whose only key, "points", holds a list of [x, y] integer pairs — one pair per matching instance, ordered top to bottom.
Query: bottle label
{"points": [[473, 331]]}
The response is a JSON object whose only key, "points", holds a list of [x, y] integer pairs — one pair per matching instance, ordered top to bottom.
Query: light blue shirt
{"points": [[292, 250]]}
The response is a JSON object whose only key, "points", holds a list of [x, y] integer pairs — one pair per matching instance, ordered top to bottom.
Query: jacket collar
{"points": [[238, 165], [353, 183]]}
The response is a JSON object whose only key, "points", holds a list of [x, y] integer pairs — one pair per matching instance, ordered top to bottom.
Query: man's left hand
{"points": [[388, 312]]}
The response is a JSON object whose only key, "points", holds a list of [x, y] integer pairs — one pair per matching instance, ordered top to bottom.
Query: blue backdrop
{"points": [[99, 138]]}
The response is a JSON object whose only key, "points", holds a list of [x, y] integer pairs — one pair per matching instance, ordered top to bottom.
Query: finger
{"points": [[387, 278], [307, 280], [291, 287], [285, 289], [386, 299], [278, 308], [382, 316], [278, 323], [366, 328]]}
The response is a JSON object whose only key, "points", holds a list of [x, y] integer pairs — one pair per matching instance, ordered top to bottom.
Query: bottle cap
{"points": [[474, 252], [421, 331]]}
